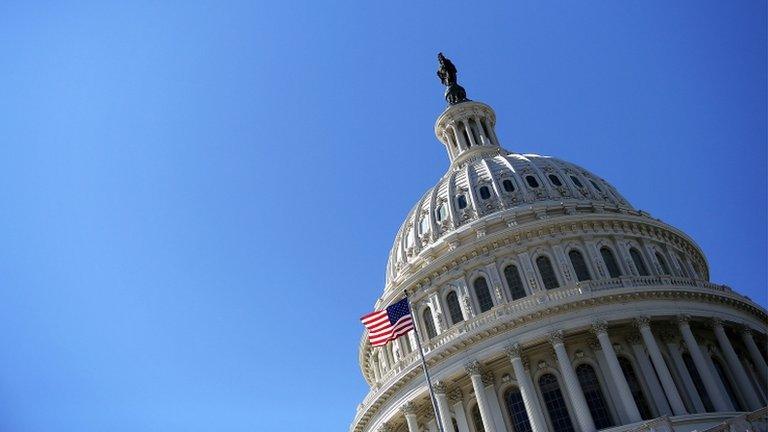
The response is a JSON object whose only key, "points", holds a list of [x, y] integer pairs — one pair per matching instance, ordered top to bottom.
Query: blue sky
{"points": [[199, 197]]}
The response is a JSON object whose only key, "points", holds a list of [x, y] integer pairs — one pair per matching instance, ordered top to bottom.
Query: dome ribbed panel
{"points": [[469, 177]]}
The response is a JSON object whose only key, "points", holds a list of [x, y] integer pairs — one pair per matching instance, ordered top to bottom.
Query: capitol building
{"points": [[546, 302]]}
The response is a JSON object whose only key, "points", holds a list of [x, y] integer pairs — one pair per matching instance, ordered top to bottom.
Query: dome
{"points": [[496, 185], [545, 302]]}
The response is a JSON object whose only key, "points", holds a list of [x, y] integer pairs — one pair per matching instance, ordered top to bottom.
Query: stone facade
{"points": [[546, 302]]}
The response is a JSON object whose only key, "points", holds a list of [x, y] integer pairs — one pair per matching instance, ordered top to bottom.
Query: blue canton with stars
{"points": [[398, 310]]}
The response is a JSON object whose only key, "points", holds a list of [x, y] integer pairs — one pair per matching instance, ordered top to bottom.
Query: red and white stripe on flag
{"points": [[388, 324]]}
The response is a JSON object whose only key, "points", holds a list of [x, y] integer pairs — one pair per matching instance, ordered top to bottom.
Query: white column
{"points": [[600, 328], [754, 353], [375, 367], [737, 369], [682, 370], [476, 375], [572, 384], [527, 391], [715, 395], [456, 397], [615, 400], [658, 400], [493, 401], [675, 401], [442, 404], [409, 411]]}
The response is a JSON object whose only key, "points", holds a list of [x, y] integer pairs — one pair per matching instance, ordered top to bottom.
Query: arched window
{"points": [[466, 137], [555, 180], [576, 181], [532, 182], [508, 185], [485, 193], [461, 201], [441, 213], [610, 262], [639, 263], [663, 264], [579, 265], [547, 272], [514, 282], [483, 294], [454, 309], [429, 323], [697, 382], [727, 383], [634, 388], [594, 396], [553, 399], [516, 409], [477, 419]]}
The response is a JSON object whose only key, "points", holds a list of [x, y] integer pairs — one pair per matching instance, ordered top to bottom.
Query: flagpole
{"points": [[424, 366]]}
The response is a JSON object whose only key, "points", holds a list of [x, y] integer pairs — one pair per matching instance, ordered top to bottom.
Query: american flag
{"points": [[388, 324]]}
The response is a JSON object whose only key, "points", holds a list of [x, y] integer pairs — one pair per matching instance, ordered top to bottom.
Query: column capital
{"points": [[683, 319], [641, 321], [715, 322], [599, 326], [556, 337], [514, 350], [474, 368], [440, 387], [456, 395], [408, 408], [385, 428]]}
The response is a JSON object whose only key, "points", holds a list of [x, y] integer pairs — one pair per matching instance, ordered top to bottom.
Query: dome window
{"points": [[555, 180], [532, 182], [577, 182], [508, 185], [595, 186], [485, 193], [461, 201], [441, 213], [423, 225]]}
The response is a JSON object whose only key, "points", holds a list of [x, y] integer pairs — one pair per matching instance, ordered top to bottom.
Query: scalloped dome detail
{"points": [[488, 182]]}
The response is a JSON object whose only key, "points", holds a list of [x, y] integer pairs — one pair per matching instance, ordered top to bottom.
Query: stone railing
{"points": [[531, 304], [756, 421]]}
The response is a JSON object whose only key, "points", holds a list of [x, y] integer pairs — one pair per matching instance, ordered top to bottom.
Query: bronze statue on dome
{"points": [[454, 93]]}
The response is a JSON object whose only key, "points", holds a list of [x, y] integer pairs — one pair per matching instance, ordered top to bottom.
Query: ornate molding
{"points": [[683, 319], [641, 322], [715, 323], [599, 327], [556, 337], [633, 338], [514, 350], [473, 368], [488, 378], [440, 387], [456, 395], [408, 408]]}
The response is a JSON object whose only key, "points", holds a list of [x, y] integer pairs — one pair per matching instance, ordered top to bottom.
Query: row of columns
{"points": [[573, 387]]}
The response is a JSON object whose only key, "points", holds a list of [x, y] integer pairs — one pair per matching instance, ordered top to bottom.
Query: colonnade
{"points": [[674, 392]]}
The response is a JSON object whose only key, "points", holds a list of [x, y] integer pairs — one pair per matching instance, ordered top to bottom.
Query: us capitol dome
{"points": [[546, 302]]}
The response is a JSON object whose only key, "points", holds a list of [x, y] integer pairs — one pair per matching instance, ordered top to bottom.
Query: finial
{"points": [[454, 93]]}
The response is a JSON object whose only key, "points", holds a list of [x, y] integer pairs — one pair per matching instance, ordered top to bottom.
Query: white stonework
{"points": [[607, 322]]}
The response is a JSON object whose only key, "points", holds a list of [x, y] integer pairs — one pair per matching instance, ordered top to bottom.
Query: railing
{"points": [[531, 304], [756, 421], [660, 424]]}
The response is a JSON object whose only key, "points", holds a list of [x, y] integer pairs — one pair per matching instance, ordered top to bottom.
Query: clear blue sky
{"points": [[198, 198]]}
